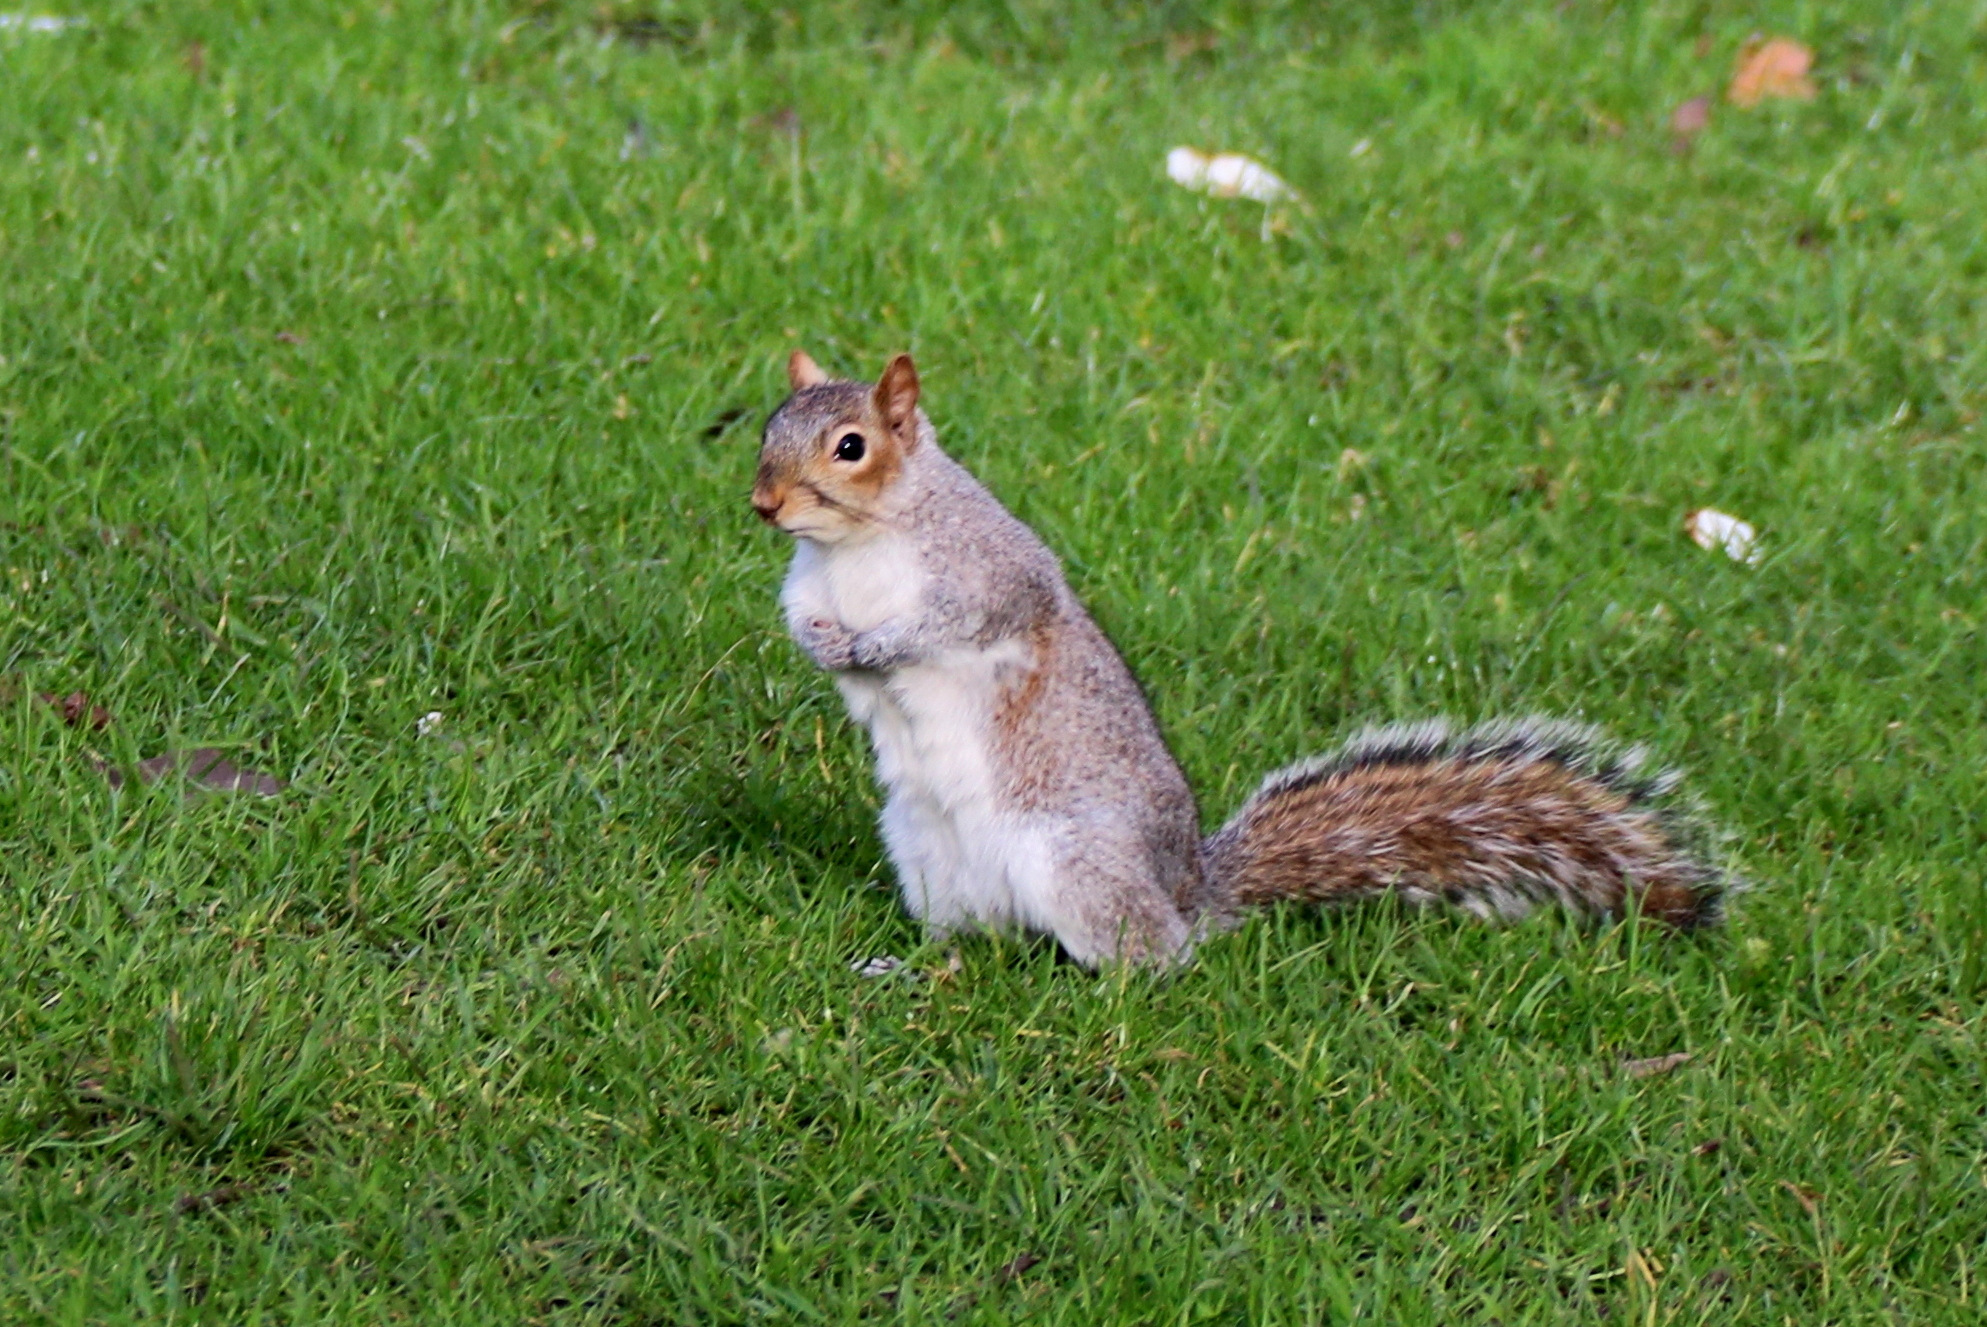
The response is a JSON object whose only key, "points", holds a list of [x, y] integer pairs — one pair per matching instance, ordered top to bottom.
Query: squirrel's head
{"points": [[830, 452]]}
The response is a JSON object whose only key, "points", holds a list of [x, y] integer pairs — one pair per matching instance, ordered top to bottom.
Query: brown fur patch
{"points": [[882, 462], [1026, 754]]}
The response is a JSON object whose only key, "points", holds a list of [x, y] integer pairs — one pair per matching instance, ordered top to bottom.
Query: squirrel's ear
{"points": [[802, 371], [897, 399]]}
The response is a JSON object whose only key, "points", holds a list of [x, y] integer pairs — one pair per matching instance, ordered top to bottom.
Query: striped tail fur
{"points": [[1494, 819]]}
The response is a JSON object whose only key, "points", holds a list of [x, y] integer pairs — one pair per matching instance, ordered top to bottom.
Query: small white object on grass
{"points": [[40, 22], [1226, 175], [1711, 528], [427, 723], [880, 966]]}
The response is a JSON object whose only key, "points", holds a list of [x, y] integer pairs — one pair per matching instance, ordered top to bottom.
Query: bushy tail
{"points": [[1493, 819]]}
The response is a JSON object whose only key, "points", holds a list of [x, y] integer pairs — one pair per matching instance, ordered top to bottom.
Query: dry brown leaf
{"points": [[1775, 68], [1691, 118], [77, 710], [205, 768], [1661, 1064], [189, 1203], [1013, 1270]]}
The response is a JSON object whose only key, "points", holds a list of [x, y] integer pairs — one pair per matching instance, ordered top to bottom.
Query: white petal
{"points": [[1187, 168], [1226, 175], [1711, 528]]}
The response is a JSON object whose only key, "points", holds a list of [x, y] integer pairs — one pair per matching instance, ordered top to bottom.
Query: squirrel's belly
{"points": [[931, 725], [962, 845]]}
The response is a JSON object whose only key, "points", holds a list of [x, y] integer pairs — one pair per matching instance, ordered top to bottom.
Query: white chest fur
{"points": [[859, 585], [930, 721], [932, 726]]}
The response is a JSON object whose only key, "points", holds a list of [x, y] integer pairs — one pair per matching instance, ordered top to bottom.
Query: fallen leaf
{"points": [[1775, 68], [1687, 121], [1226, 175], [1711, 528], [77, 710], [205, 768], [1661, 1064], [1708, 1148], [1808, 1199], [189, 1203], [1013, 1270]]}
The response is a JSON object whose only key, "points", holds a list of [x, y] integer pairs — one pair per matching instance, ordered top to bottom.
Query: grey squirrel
{"points": [[1027, 782]]}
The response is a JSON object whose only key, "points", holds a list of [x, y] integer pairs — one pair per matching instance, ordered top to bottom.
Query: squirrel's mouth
{"points": [[805, 512], [829, 531]]}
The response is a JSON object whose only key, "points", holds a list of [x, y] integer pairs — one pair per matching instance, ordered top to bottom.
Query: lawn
{"points": [[361, 364]]}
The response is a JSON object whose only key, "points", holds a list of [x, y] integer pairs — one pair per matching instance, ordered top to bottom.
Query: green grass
{"points": [[378, 362]]}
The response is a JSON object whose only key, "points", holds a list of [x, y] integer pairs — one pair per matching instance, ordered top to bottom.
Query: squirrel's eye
{"points": [[849, 448]]}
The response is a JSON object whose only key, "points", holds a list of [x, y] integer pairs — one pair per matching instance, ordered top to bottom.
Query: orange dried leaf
{"points": [[1776, 68], [1691, 117]]}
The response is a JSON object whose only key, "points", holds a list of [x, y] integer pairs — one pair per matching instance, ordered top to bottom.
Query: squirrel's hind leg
{"points": [[1094, 888]]}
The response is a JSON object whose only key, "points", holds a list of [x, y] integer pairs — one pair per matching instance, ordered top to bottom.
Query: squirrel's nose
{"points": [[766, 504]]}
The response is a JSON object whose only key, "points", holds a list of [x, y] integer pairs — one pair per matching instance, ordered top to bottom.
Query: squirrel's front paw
{"points": [[829, 644]]}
